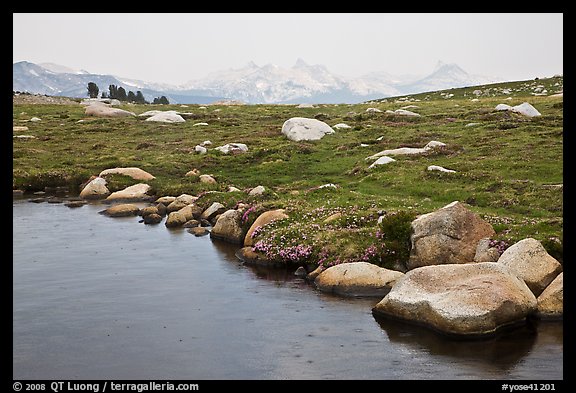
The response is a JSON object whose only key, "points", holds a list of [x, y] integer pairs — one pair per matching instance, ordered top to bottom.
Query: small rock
{"points": [[373, 110], [167, 117], [341, 126], [232, 148], [199, 149], [382, 161], [440, 169], [193, 172], [207, 179], [95, 189], [258, 190], [134, 192], [165, 200], [74, 204], [214, 209], [122, 210], [148, 210], [152, 218], [175, 219], [191, 224], [228, 227], [198, 231], [485, 253], [301, 272], [314, 273], [357, 279], [551, 300]]}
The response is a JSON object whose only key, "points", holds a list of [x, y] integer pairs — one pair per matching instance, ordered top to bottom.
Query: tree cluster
{"points": [[119, 93]]}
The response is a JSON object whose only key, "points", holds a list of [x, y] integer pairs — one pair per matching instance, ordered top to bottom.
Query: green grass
{"points": [[503, 164]]}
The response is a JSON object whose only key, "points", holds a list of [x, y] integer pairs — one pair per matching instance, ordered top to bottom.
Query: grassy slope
{"points": [[503, 164]]}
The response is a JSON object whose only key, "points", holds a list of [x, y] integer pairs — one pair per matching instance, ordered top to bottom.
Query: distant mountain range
{"points": [[302, 83]]}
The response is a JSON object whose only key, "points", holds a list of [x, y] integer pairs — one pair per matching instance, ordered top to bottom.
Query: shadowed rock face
{"points": [[95, 189], [229, 227], [446, 236], [530, 261], [357, 279], [460, 299], [551, 300]]}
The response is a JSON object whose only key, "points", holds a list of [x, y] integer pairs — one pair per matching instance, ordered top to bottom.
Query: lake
{"points": [[96, 297]]}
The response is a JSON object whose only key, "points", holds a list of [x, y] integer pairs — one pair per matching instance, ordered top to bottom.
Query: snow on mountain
{"points": [[60, 69], [445, 76], [252, 83]]}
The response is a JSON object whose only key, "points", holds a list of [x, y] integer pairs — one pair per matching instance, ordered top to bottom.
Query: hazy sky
{"points": [[176, 48]]}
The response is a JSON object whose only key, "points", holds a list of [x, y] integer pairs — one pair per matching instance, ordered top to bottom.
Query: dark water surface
{"points": [[110, 298]]}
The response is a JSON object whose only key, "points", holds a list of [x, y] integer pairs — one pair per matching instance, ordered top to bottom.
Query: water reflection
{"points": [[145, 302], [502, 351]]}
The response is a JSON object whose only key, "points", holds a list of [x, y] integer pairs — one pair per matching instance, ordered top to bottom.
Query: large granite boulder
{"points": [[304, 129], [262, 220], [229, 227], [446, 236], [530, 261], [357, 279], [461, 299], [551, 300]]}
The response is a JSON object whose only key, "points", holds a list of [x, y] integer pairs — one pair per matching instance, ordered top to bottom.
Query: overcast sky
{"points": [[176, 48]]}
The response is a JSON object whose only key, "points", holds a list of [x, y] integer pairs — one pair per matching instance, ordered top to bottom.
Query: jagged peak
{"points": [[300, 63]]}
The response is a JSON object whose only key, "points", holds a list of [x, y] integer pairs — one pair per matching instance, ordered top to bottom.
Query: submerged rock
{"points": [[122, 210]]}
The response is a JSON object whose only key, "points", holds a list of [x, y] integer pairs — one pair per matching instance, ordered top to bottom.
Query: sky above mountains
{"points": [[177, 48]]}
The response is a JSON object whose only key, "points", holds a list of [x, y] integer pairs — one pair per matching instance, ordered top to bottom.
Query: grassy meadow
{"points": [[509, 167]]}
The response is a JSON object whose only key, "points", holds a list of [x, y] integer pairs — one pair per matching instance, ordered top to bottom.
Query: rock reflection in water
{"points": [[501, 352]]}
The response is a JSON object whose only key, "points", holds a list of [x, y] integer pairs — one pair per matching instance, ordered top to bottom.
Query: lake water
{"points": [[96, 297]]}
